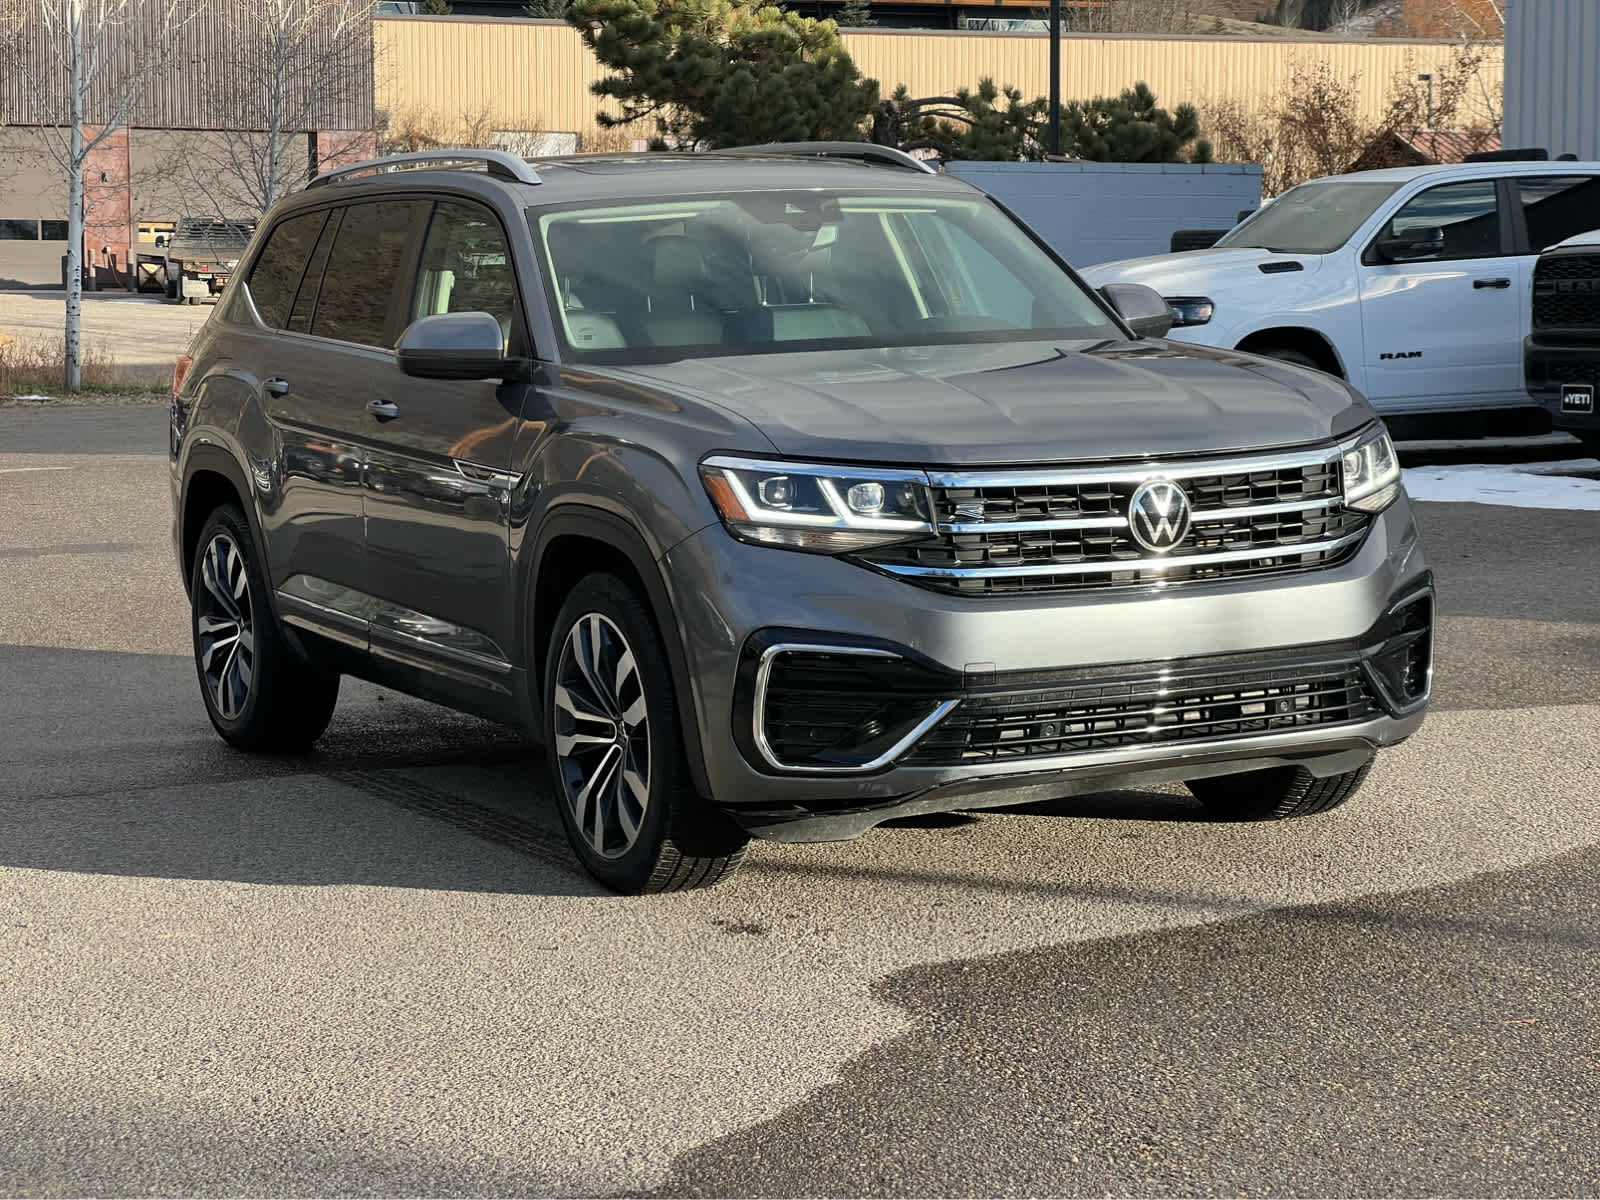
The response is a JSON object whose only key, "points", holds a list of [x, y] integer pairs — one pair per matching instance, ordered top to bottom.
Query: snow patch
{"points": [[1571, 485]]}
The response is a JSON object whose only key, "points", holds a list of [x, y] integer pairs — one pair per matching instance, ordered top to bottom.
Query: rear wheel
{"points": [[258, 695], [616, 750], [1277, 794]]}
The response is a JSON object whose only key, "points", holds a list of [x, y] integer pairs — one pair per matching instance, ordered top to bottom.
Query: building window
{"points": [[18, 231], [52, 231]]}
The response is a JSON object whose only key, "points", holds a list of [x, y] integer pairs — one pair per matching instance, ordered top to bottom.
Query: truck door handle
{"points": [[1491, 283], [277, 387], [384, 410]]}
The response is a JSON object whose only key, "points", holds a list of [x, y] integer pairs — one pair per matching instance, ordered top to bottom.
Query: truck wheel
{"points": [[172, 290], [1285, 354], [1590, 439], [258, 695], [616, 752], [1277, 794]]}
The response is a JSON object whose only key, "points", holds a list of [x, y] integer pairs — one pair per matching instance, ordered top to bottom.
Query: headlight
{"points": [[1191, 310], [1371, 472], [823, 509]]}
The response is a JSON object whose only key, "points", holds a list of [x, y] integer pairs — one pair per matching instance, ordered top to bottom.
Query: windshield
{"points": [[1314, 218], [811, 270]]}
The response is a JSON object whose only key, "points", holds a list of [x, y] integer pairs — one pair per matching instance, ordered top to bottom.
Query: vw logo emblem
{"points": [[1158, 515]]}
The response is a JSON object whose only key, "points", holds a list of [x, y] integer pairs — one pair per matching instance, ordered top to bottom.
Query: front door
{"points": [[1445, 332], [438, 489]]}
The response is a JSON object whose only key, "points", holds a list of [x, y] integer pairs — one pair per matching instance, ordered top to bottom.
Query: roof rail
{"points": [[867, 152], [499, 163]]}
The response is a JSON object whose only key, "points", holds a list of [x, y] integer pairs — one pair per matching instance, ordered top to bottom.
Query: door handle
{"points": [[1491, 283], [277, 387], [384, 410]]}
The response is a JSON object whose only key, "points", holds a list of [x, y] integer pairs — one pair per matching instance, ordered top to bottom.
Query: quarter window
{"points": [[1557, 207], [1469, 214], [277, 270], [363, 272]]}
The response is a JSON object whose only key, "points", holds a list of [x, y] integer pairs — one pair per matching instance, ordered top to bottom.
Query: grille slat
{"points": [[997, 537], [1152, 709]]}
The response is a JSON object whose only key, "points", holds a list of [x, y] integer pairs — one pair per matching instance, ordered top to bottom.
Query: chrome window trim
{"points": [[1113, 567], [759, 708]]}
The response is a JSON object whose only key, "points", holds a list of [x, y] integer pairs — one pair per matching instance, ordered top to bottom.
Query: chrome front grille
{"points": [[1067, 530]]}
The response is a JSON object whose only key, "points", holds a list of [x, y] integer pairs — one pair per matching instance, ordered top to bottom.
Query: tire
{"points": [[172, 290], [1297, 357], [1590, 439], [258, 694], [615, 748], [1277, 794]]}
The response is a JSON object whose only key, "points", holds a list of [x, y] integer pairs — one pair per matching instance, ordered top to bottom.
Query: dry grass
{"points": [[37, 365]]}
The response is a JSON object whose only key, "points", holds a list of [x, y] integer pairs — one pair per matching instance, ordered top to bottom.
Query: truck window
{"points": [[1557, 207], [1469, 214], [277, 270], [363, 272]]}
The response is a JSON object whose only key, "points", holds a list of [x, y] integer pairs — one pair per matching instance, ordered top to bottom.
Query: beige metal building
{"points": [[535, 75]]}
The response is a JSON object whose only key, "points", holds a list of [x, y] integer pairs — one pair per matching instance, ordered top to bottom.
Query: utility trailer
{"points": [[196, 262]]}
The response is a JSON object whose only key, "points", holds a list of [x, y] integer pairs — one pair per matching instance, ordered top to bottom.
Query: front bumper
{"points": [[1564, 377], [734, 600]]}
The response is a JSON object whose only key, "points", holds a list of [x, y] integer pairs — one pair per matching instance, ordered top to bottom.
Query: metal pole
{"points": [[1055, 76]]}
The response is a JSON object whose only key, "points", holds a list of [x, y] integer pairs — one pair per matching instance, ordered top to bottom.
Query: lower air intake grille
{"points": [[1146, 710]]}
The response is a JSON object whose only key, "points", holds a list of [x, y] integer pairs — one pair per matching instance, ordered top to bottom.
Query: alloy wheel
{"points": [[224, 627], [602, 735]]}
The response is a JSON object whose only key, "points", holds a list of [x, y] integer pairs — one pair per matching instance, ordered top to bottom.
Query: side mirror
{"points": [[1417, 242], [1142, 308], [465, 345]]}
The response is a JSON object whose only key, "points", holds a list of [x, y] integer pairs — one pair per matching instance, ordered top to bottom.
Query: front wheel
{"points": [[1286, 354], [615, 746], [1276, 794]]}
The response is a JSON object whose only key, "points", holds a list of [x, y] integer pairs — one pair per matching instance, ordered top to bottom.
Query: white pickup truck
{"points": [[1414, 284]]}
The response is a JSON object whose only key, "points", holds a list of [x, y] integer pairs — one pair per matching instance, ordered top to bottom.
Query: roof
{"points": [[1448, 145], [1474, 170], [572, 178]]}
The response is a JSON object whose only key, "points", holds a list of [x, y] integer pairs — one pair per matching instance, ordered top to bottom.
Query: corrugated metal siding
{"points": [[205, 73], [536, 75], [1552, 82]]}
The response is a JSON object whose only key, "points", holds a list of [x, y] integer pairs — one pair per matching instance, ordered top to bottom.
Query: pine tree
{"points": [[856, 14], [719, 73], [966, 125], [1131, 128]]}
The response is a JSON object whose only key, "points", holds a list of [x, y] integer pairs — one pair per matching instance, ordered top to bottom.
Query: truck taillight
{"points": [[180, 372]]}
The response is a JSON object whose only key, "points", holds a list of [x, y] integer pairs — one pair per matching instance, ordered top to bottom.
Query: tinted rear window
{"points": [[277, 271], [363, 272]]}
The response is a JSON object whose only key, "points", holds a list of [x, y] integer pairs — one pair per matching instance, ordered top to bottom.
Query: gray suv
{"points": [[778, 492]]}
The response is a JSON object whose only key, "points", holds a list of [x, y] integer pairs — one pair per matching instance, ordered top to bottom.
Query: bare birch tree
{"points": [[288, 68], [77, 70]]}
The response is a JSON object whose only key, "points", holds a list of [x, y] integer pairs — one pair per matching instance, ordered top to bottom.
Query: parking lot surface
{"points": [[374, 970]]}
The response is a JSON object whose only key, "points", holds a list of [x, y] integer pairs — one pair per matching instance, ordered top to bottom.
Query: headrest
{"points": [[676, 262]]}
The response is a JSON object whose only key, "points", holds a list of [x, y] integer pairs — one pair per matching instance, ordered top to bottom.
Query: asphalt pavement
{"points": [[373, 970]]}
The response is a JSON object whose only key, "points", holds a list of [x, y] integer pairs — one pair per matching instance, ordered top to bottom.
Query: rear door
{"points": [[1444, 332], [337, 336], [438, 491], [311, 506]]}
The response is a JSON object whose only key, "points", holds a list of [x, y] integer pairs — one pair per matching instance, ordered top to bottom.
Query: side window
{"points": [[1557, 207], [1468, 213], [466, 266], [277, 270], [363, 272], [305, 301]]}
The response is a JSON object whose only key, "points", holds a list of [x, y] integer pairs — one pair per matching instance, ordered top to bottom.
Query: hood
{"points": [[1582, 240], [1201, 272], [1030, 402]]}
